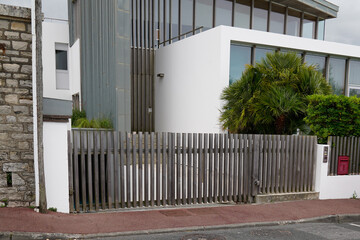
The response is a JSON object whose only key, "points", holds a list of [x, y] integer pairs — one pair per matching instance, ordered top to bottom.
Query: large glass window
{"points": [[223, 13], [242, 13], [161, 14], [203, 14], [260, 15], [186, 16], [174, 19], [277, 19], [167, 20], [156, 22], [293, 23], [308, 26], [321, 29], [261, 52], [239, 57], [61, 60], [316, 60], [354, 72], [337, 75]]}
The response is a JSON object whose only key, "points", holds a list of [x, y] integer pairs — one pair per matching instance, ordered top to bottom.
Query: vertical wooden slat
{"points": [[90, 140], [348, 143], [339, 146], [195, 149], [295, 155], [109, 156], [352, 156], [121, 162], [211, 162], [221, 162], [261, 162], [277, 162], [287, 162], [312, 162], [357, 162], [216, 163], [302, 163], [190, 164], [269, 164], [273, 164], [282, 164], [255, 165], [305, 165], [298, 166], [158, 167], [231, 167], [250, 167], [264, 167], [140, 168], [146, 168], [172, 168], [226, 168], [235, 168], [245, 168], [83, 169], [102, 169], [116, 169], [169, 169], [178, 169], [200, 169], [205, 169], [76, 170], [96, 170], [152, 170], [71, 171], [183, 172], [163, 173], [128, 178], [134, 178], [240, 179]]}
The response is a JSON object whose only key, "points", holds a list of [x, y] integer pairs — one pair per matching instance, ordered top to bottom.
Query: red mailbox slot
{"points": [[343, 165]]}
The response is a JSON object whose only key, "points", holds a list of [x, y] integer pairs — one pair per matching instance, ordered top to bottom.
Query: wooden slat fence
{"points": [[344, 146], [109, 170]]}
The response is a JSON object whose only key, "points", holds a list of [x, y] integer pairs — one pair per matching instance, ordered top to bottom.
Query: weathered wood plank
{"points": [[90, 140], [195, 149], [205, 160], [277, 163], [282, 163], [287, 163], [312, 163], [108, 164], [190, 164], [269, 164], [255, 165], [158, 167], [231, 167], [250, 167], [116, 168], [200, 168], [226, 168], [83, 169], [102, 169], [140, 169], [146, 169], [152, 169], [172, 169], [246, 169], [76, 170], [96, 170], [235, 170], [240, 170], [128, 171], [211, 171], [216, 171], [71, 172], [122, 172], [183, 172], [221, 172], [163, 174], [134, 178], [178, 178]]}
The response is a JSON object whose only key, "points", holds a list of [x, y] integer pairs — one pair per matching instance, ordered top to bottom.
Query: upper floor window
{"points": [[223, 12], [242, 13], [203, 14], [260, 15], [277, 18], [293, 23], [309, 23], [62, 73], [354, 78]]}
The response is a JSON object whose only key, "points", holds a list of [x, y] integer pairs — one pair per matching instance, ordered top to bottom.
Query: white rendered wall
{"points": [[53, 32], [196, 71], [56, 165], [333, 187]]}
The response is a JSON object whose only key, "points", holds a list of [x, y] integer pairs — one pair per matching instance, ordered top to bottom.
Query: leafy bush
{"points": [[270, 97], [77, 114], [333, 116], [93, 123]]}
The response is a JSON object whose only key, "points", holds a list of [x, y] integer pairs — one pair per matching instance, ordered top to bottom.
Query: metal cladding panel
{"points": [[101, 81]]}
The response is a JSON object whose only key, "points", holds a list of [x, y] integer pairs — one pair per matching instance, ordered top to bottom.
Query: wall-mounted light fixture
{"points": [[160, 75]]}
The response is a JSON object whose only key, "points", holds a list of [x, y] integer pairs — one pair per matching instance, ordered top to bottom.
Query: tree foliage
{"points": [[271, 97]]}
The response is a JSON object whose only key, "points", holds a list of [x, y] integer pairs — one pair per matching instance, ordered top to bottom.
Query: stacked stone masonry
{"points": [[17, 181]]}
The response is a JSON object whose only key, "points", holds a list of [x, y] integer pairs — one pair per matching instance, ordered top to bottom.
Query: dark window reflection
{"points": [[223, 13], [242, 13], [203, 14], [260, 15], [186, 16], [277, 18], [293, 23], [239, 57], [61, 60]]}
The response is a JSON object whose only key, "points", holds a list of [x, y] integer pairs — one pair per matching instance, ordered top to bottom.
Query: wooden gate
{"points": [[109, 170]]}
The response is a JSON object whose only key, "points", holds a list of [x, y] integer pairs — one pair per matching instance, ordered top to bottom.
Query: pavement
{"points": [[25, 222]]}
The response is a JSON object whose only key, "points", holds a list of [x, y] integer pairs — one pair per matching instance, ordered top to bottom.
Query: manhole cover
{"points": [[270, 233], [203, 237]]}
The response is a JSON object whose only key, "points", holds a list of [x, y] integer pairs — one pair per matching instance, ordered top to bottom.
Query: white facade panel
{"points": [[187, 98]]}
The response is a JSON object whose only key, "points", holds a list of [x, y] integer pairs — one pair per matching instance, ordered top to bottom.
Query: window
{"points": [[223, 12], [242, 13], [203, 14], [260, 15], [186, 16], [174, 19], [277, 19], [293, 23], [308, 26], [321, 29], [260, 53], [239, 57], [61, 59], [318, 61], [337, 75], [354, 78]]}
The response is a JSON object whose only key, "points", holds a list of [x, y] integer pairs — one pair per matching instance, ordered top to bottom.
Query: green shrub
{"points": [[77, 114], [333, 115], [94, 123]]}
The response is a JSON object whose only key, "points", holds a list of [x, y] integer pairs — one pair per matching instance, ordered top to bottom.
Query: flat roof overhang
{"points": [[321, 8]]}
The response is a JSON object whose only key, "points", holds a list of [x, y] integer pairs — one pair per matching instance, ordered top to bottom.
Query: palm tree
{"points": [[271, 96]]}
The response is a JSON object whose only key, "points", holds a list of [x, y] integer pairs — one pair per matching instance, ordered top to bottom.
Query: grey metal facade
{"points": [[104, 31]]}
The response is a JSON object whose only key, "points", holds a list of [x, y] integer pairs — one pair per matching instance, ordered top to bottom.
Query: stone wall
{"points": [[17, 181]]}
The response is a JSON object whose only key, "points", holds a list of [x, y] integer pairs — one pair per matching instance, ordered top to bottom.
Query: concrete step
{"points": [[283, 197]]}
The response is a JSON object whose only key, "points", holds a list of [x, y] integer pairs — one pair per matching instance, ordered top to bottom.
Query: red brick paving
{"points": [[26, 220]]}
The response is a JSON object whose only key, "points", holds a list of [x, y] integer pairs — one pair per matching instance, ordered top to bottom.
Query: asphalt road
{"points": [[305, 231]]}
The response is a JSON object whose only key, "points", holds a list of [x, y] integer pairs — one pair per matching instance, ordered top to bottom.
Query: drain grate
{"points": [[270, 233], [203, 237]]}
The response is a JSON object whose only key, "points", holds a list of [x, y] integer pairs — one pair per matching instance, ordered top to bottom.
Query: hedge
{"points": [[331, 115]]}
